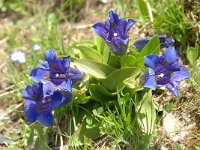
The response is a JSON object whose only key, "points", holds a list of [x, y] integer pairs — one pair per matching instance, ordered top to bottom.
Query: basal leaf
{"points": [[152, 47], [89, 53], [96, 69], [115, 80], [99, 93], [146, 112]]}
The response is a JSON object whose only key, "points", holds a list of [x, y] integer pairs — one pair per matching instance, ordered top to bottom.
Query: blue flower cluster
{"points": [[165, 70], [54, 77], [52, 89]]}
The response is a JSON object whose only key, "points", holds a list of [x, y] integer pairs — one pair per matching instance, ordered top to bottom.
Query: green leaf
{"points": [[143, 8], [100, 43], [152, 47], [103, 48], [89, 53], [106, 54], [193, 54], [128, 61], [96, 69], [116, 79], [100, 94], [126, 104], [146, 112], [84, 130], [197, 146]]}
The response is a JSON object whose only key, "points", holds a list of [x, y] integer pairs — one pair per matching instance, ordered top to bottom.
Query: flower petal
{"points": [[113, 17], [130, 23], [100, 30], [140, 44], [170, 55], [51, 56], [151, 60], [66, 65], [37, 74], [75, 75], [180, 75], [150, 82], [66, 86], [48, 88], [173, 89], [32, 92], [57, 100], [30, 111], [46, 118]]}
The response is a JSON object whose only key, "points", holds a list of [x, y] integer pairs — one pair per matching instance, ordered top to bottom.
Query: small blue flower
{"points": [[114, 32], [164, 42], [36, 47], [18, 57], [55, 70], [165, 70], [42, 99]]}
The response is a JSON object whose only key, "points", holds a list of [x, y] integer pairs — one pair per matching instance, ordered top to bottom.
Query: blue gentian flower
{"points": [[114, 32], [164, 42], [36, 47], [18, 57], [55, 70], [165, 70], [42, 99]]}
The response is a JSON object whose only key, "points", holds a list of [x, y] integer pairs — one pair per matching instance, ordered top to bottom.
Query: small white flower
{"points": [[36, 47], [18, 57]]}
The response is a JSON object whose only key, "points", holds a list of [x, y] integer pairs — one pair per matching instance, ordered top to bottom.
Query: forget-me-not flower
{"points": [[114, 32], [164, 42], [36, 47], [18, 57], [165, 70], [42, 99]]}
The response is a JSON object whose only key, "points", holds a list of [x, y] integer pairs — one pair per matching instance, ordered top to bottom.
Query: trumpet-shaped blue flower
{"points": [[114, 32], [164, 42], [55, 70], [165, 70], [43, 98]]}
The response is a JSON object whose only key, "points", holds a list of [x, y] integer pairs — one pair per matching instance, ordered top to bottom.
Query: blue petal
{"points": [[113, 17], [130, 23], [100, 30], [140, 44], [119, 51], [170, 55], [50, 56], [151, 60], [44, 65], [66, 65], [175, 66], [37, 74], [75, 75], [180, 75], [150, 82], [66, 86], [48, 88], [173, 89], [66, 90], [32, 92], [57, 100], [30, 111], [46, 118]]}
